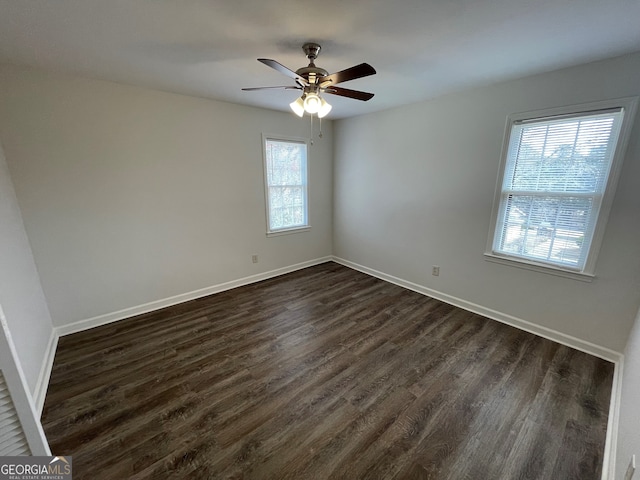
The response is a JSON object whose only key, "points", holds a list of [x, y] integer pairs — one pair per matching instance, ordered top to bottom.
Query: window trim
{"points": [[629, 106], [287, 230]]}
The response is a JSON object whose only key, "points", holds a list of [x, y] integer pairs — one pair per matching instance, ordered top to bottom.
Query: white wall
{"points": [[414, 188], [131, 195], [21, 295], [628, 442]]}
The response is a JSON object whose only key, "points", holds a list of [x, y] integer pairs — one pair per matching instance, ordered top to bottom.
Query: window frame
{"points": [[629, 106], [286, 230]]}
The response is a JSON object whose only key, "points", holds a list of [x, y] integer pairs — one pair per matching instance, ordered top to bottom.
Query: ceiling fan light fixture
{"points": [[312, 103], [297, 107], [325, 108]]}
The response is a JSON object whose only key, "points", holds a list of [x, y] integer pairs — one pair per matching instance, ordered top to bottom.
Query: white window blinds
{"points": [[555, 177], [286, 183], [12, 439]]}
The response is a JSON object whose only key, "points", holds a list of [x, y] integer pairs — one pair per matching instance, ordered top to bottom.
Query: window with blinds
{"points": [[554, 181], [286, 184], [12, 438]]}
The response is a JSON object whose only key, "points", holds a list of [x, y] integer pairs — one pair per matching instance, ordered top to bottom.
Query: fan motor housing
{"points": [[312, 71]]}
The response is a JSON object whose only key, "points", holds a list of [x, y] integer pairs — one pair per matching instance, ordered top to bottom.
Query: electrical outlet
{"points": [[254, 258], [435, 270], [631, 468]]}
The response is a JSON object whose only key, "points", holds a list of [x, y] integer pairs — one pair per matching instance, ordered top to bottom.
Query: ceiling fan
{"points": [[314, 81]]}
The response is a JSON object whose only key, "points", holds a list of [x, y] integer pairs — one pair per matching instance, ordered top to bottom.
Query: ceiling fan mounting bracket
{"points": [[311, 50]]}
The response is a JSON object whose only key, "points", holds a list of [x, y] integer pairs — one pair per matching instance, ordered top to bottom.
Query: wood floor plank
{"points": [[324, 373]]}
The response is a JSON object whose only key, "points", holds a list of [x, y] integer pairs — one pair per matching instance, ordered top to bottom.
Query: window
{"points": [[285, 164], [557, 180]]}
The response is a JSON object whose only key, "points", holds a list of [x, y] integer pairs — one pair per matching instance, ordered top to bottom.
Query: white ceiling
{"points": [[420, 48]]}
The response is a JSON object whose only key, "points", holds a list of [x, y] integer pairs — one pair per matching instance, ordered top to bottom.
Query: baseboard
{"points": [[99, 320], [545, 332], [42, 384], [611, 442], [609, 460]]}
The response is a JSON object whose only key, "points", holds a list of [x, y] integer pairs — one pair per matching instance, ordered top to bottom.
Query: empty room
{"points": [[297, 240]]}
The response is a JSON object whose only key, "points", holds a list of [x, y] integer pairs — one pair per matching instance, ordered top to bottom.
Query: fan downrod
{"points": [[311, 72]]}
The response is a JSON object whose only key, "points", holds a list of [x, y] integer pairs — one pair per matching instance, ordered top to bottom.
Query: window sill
{"points": [[287, 231], [539, 267]]}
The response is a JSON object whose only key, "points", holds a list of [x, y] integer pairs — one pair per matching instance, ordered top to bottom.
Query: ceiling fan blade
{"points": [[282, 69], [358, 71], [286, 87], [345, 92]]}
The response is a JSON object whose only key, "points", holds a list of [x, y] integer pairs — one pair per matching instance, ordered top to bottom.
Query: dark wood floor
{"points": [[324, 373]]}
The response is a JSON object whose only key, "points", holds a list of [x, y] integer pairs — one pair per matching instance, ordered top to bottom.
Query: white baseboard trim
{"points": [[99, 320], [545, 332], [42, 384], [611, 442], [609, 460]]}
